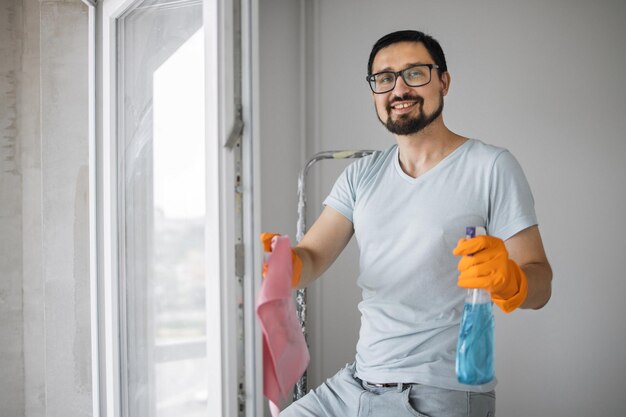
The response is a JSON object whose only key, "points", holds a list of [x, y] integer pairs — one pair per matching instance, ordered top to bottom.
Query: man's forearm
{"points": [[307, 274], [539, 276]]}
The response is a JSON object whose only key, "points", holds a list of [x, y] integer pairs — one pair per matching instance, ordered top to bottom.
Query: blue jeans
{"points": [[345, 395]]}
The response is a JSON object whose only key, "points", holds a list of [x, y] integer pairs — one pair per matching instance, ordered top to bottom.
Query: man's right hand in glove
{"points": [[266, 239], [319, 247]]}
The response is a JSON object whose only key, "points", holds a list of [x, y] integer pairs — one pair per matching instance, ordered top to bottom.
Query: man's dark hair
{"points": [[432, 46]]}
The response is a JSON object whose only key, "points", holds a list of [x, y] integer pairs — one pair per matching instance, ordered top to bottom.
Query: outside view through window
{"points": [[162, 164], [179, 209]]}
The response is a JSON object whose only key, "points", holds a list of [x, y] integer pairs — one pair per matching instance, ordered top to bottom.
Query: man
{"points": [[408, 206]]}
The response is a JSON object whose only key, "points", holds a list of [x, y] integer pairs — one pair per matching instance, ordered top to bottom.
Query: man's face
{"points": [[407, 110]]}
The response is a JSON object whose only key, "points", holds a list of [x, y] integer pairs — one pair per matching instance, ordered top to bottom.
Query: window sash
{"points": [[220, 202]]}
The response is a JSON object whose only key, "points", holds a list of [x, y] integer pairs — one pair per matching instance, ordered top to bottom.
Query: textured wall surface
{"points": [[64, 201], [33, 285], [11, 322], [45, 353]]}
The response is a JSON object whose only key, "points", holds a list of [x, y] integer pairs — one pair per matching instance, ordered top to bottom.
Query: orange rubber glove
{"points": [[266, 239], [485, 264]]}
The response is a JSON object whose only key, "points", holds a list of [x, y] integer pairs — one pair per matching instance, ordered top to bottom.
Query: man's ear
{"points": [[445, 81]]}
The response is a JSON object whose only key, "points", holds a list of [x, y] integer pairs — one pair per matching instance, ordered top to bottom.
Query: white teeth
{"points": [[403, 105]]}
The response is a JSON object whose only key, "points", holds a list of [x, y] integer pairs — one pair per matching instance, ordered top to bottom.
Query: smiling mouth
{"points": [[403, 107]]}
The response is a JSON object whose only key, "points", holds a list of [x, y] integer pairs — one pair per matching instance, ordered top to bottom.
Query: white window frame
{"points": [[93, 212], [220, 251], [255, 402]]}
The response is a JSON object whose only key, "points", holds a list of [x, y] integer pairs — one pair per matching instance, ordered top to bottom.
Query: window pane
{"points": [[162, 172], [178, 180], [181, 389]]}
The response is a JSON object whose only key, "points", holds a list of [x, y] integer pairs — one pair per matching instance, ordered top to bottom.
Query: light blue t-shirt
{"points": [[406, 229]]}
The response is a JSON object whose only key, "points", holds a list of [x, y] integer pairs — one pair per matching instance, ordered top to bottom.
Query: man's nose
{"points": [[401, 87]]}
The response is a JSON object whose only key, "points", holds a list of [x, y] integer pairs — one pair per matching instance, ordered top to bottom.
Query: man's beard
{"points": [[407, 125]]}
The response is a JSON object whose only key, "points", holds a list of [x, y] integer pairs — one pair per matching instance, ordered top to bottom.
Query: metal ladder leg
{"points": [[301, 386]]}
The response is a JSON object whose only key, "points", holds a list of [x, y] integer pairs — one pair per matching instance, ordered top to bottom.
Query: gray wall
{"points": [[544, 79], [280, 113], [11, 322], [45, 354]]}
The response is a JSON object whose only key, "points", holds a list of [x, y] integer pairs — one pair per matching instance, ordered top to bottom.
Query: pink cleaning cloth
{"points": [[285, 354]]}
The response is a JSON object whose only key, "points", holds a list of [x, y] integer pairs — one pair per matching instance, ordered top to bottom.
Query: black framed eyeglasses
{"points": [[415, 76]]}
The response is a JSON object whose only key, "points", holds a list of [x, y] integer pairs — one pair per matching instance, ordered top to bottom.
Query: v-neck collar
{"points": [[447, 160]]}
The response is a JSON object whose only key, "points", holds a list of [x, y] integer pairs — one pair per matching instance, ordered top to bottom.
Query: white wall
{"points": [[518, 81], [280, 106], [44, 226]]}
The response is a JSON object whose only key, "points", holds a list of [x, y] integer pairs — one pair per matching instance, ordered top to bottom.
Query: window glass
{"points": [[161, 171]]}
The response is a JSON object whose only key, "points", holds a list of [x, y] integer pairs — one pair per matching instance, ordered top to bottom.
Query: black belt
{"points": [[383, 385], [386, 385]]}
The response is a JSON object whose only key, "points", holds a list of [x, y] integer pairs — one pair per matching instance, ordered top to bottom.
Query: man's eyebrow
{"points": [[412, 64]]}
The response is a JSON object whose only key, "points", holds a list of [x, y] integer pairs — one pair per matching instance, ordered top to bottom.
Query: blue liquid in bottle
{"points": [[474, 352]]}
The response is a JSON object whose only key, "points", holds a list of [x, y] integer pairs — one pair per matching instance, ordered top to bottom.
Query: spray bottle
{"points": [[475, 350]]}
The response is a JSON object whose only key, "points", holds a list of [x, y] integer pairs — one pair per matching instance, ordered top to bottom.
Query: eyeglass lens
{"points": [[414, 77]]}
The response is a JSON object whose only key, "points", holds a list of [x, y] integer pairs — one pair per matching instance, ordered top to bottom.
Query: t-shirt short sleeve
{"points": [[342, 197], [511, 203]]}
